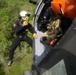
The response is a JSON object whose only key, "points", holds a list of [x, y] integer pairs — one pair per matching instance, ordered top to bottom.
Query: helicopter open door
{"points": [[40, 49], [61, 60]]}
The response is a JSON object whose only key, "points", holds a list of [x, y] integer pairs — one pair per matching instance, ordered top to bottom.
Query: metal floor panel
{"points": [[41, 50]]}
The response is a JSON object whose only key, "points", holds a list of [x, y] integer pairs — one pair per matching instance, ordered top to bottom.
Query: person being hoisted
{"points": [[20, 28]]}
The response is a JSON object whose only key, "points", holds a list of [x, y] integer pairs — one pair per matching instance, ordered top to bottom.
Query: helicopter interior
{"points": [[47, 16]]}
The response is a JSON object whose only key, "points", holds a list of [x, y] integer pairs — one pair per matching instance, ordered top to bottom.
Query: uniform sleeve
{"points": [[17, 27], [31, 29]]}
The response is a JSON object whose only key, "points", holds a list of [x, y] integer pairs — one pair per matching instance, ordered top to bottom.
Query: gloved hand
{"points": [[25, 23], [45, 34], [35, 35]]}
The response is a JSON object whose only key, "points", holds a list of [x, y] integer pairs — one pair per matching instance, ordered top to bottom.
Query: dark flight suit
{"points": [[21, 35]]}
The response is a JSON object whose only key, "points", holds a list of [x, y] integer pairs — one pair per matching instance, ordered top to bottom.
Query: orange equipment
{"points": [[65, 7], [52, 42]]}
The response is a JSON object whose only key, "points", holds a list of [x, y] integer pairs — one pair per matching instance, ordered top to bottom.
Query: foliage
{"points": [[3, 4], [9, 12]]}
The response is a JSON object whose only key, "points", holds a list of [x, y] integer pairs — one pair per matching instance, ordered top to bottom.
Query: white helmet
{"points": [[23, 13]]}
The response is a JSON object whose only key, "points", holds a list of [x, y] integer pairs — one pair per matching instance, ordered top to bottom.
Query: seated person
{"points": [[54, 31]]}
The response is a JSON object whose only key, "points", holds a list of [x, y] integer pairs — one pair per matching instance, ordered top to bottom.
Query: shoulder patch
{"points": [[14, 25]]}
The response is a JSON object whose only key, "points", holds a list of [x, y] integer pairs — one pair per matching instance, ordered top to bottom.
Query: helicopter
{"points": [[59, 58]]}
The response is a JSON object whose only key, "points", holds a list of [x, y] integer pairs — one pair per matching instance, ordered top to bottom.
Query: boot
{"points": [[9, 63]]}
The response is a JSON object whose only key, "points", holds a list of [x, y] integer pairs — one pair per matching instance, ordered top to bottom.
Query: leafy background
{"points": [[9, 12]]}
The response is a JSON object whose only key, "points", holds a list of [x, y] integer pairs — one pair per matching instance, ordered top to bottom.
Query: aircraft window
{"points": [[58, 69]]}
